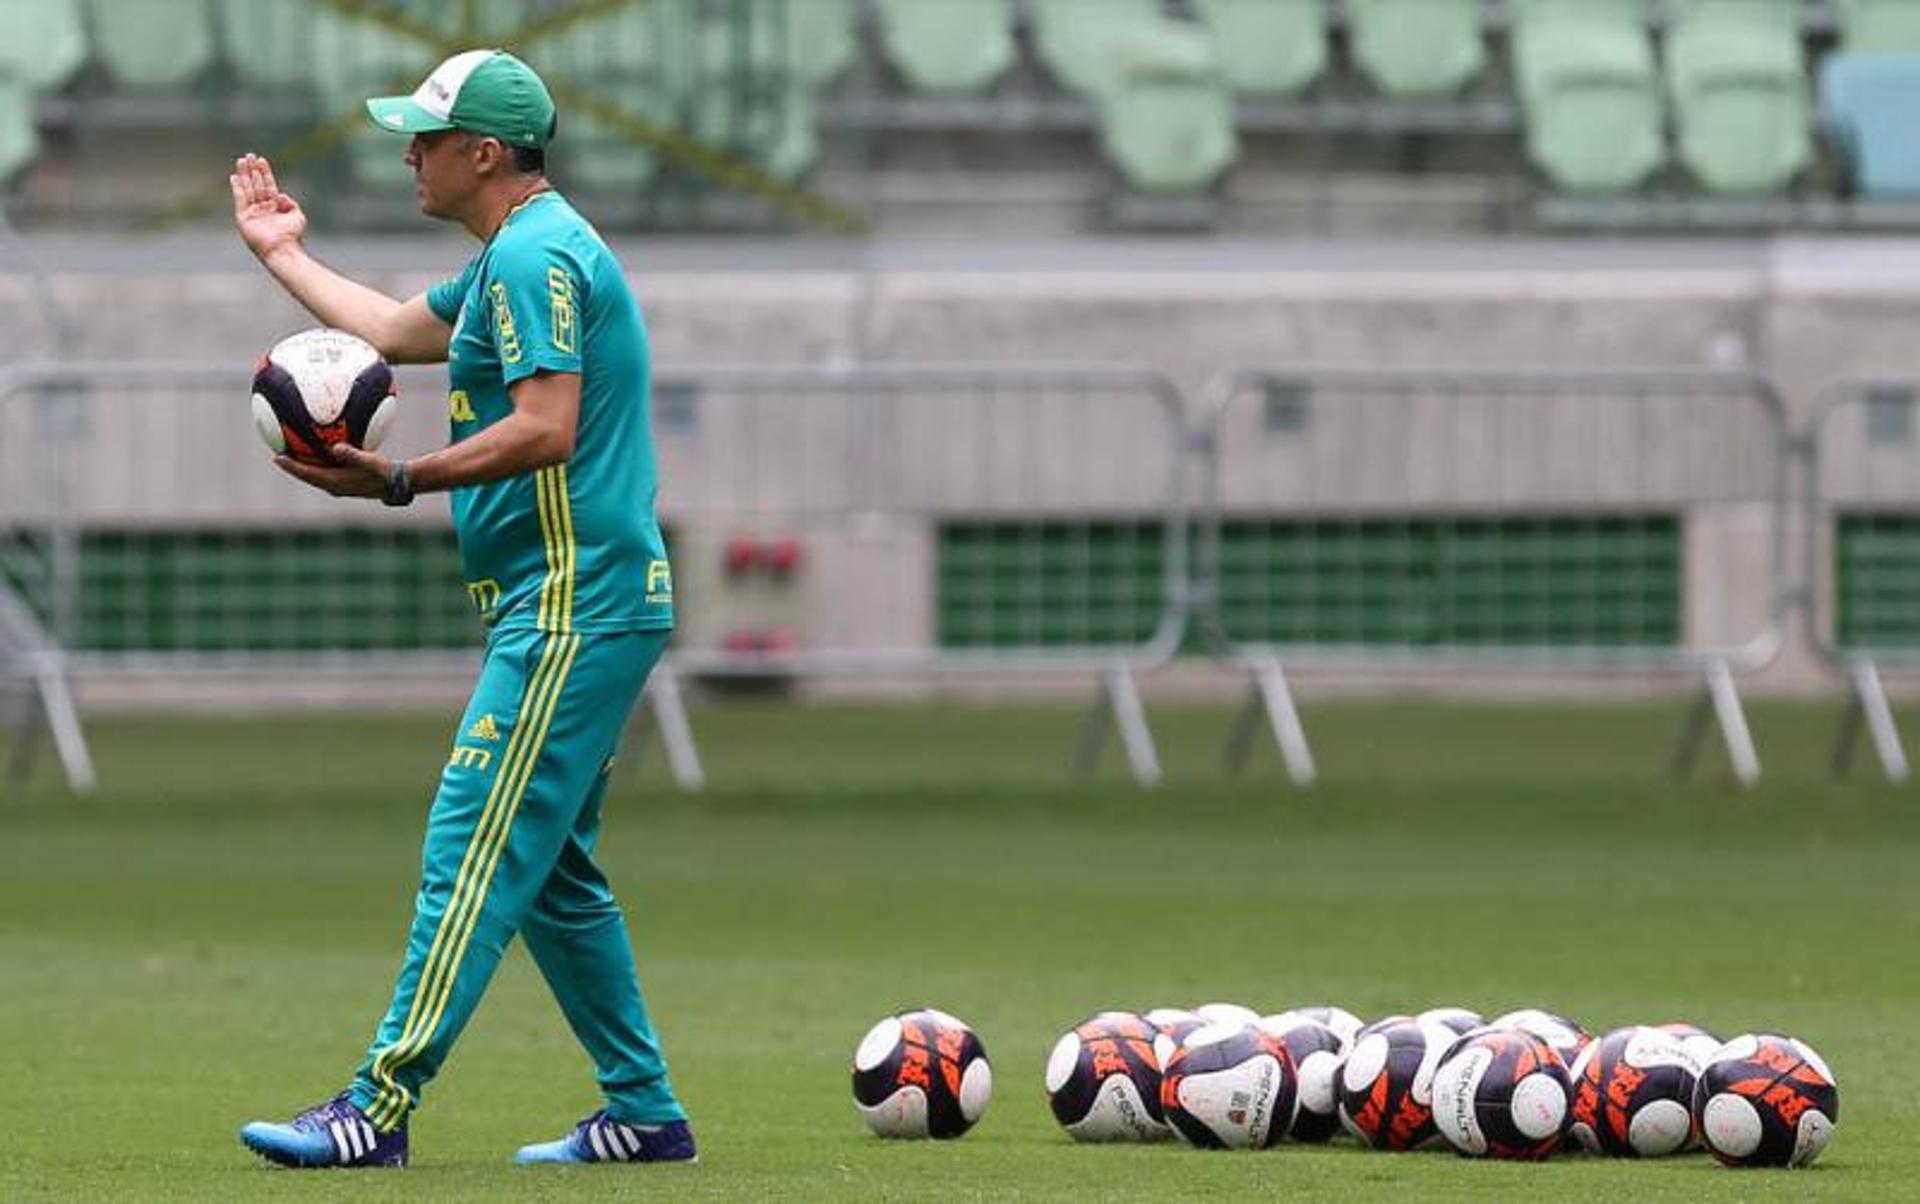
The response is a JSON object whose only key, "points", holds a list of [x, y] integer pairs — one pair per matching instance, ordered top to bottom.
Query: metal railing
{"points": [[967, 517], [923, 519], [1492, 519], [141, 524], [1862, 551]]}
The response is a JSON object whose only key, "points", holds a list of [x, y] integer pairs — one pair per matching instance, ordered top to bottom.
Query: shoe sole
{"points": [[269, 1156]]}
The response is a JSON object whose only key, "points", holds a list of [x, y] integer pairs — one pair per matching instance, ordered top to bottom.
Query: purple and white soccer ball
{"points": [[318, 388], [1339, 1019], [1461, 1020], [1566, 1036], [1318, 1053], [921, 1074], [1103, 1080], [1229, 1086], [1632, 1094], [1766, 1100]]}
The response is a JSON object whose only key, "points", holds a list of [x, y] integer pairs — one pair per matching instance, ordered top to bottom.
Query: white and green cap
{"points": [[484, 91]]}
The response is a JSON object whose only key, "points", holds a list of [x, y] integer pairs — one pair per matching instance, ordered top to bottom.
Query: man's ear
{"points": [[492, 156]]}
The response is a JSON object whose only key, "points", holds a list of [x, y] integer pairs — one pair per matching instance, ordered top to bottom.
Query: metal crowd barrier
{"points": [[1051, 502], [972, 519], [953, 520], [1374, 520], [1862, 544]]}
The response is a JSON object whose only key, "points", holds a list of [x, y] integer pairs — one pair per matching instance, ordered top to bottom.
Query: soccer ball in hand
{"points": [[318, 388], [921, 1074], [1103, 1080], [1501, 1093], [1766, 1100]]}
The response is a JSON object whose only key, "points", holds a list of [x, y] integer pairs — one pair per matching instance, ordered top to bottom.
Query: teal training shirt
{"points": [[575, 547]]}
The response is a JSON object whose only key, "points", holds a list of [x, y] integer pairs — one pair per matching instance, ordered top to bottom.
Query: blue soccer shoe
{"points": [[335, 1134], [600, 1138]]}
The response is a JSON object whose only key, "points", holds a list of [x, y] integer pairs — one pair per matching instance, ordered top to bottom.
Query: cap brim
{"points": [[401, 115]]}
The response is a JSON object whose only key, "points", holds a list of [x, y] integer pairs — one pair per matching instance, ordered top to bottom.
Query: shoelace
{"points": [[325, 1114]]}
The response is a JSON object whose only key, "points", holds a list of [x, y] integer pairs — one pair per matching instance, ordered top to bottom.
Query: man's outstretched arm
{"points": [[273, 225]]}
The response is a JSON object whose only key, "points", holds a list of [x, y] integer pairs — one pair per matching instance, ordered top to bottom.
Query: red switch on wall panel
{"points": [[742, 554], [782, 556]]}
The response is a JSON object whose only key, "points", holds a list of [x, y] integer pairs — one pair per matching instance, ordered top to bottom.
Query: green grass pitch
{"points": [[212, 937]]}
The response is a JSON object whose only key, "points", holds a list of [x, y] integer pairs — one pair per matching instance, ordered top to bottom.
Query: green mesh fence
{"points": [[1877, 580], [1508, 581], [1048, 584], [321, 590]]}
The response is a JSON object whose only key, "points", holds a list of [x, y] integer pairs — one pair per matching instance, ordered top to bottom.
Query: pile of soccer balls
{"points": [[1520, 1086]]}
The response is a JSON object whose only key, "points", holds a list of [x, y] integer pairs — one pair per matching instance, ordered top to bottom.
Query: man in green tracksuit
{"points": [[551, 467]]}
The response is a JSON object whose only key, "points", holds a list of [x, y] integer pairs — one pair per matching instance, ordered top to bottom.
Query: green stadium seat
{"points": [[1524, 12], [1868, 25], [822, 38], [1078, 40], [46, 42], [153, 43], [268, 43], [948, 46], [1268, 47], [1417, 47], [353, 59], [634, 59], [1738, 78], [1591, 93], [742, 100], [1868, 101], [1167, 117], [19, 140], [795, 145], [600, 157]]}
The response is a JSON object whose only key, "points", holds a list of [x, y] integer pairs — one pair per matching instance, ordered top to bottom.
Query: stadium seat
{"points": [[1524, 12], [1867, 25], [821, 38], [1078, 39], [45, 41], [155, 43], [268, 43], [948, 46], [1268, 47], [1417, 47], [353, 59], [632, 59], [1738, 79], [1591, 93], [741, 100], [1868, 101], [1167, 117], [19, 141], [795, 145]]}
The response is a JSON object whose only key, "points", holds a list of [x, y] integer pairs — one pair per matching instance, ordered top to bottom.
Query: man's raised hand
{"points": [[268, 219]]}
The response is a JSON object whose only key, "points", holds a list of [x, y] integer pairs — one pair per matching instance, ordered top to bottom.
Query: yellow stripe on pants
{"points": [[469, 890]]}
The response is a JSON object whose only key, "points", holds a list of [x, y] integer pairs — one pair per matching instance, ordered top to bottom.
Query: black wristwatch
{"points": [[399, 487]]}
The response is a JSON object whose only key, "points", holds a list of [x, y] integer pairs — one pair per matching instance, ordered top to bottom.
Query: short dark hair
{"points": [[529, 160]]}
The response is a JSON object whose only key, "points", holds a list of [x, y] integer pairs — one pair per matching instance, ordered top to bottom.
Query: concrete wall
{"points": [[1803, 312]]}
